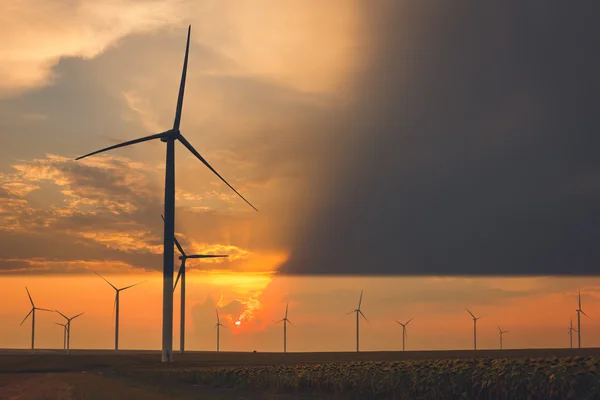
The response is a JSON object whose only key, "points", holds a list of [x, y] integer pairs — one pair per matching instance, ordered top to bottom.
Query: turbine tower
{"points": [[169, 137], [181, 274], [116, 306], [579, 312], [32, 313], [358, 313], [285, 321], [68, 328], [218, 328], [474, 329], [571, 329], [501, 333], [404, 334], [64, 335]]}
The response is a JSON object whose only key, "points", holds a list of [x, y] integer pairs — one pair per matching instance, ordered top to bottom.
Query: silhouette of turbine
{"points": [[169, 137], [116, 306], [358, 312], [32, 313], [285, 320], [68, 328], [474, 329], [404, 334]]}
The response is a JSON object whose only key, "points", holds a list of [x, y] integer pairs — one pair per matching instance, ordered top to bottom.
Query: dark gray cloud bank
{"points": [[472, 147]]}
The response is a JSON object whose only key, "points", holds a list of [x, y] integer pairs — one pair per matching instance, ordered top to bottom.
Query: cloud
{"points": [[468, 147]]}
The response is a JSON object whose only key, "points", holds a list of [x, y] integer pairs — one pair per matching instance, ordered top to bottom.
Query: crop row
{"points": [[543, 378]]}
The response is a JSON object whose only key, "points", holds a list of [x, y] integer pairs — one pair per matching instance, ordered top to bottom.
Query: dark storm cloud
{"points": [[473, 147]]}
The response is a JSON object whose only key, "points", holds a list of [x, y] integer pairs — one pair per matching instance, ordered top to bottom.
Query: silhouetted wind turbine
{"points": [[170, 137], [181, 275], [116, 306], [358, 312], [579, 312], [32, 313], [285, 320], [218, 327], [68, 328], [474, 329], [571, 329], [501, 333], [404, 334], [64, 335]]}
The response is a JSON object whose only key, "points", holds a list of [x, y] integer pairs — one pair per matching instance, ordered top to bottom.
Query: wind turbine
{"points": [[169, 137], [181, 275], [116, 306], [358, 312], [579, 312], [32, 313], [285, 320], [218, 327], [68, 328], [474, 328], [571, 329], [501, 333], [404, 334], [64, 335]]}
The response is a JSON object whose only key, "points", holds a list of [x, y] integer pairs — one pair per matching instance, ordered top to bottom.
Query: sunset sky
{"points": [[379, 141]]}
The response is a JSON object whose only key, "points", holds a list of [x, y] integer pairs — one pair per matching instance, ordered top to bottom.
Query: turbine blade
{"points": [[182, 84], [140, 140], [194, 152], [176, 241], [207, 256], [178, 276], [135, 284], [113, 286], [30, 299], [360, 299], [470, 313], [78, 315], [363, 315], [27, 316]]}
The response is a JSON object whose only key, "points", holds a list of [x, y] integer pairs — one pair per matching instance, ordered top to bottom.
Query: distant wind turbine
{"points": [[170, 137], [181, 275], [116, 306], [358, 312], [579, 312], [32, 313], [285, 321], [218, 327], [68, 328], [474, 329], [571, 329], [501, 333], [404, 334], [64, 335]]}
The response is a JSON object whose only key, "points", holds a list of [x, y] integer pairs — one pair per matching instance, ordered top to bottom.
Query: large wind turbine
{"points": [[170, 137], [181, 275], [116, 306], [358, 312], [579, 312], [32, 313], [285, 320], [218, 327], [68, 328], [474, 329], [571, 329], [501, 333], [404, 334], [64, 335]]}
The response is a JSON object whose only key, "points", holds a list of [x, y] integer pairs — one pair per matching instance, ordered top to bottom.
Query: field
{"points": [[485, 374]]}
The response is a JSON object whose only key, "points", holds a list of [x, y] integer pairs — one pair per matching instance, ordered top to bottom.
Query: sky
{"points": [[427, 153]]}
